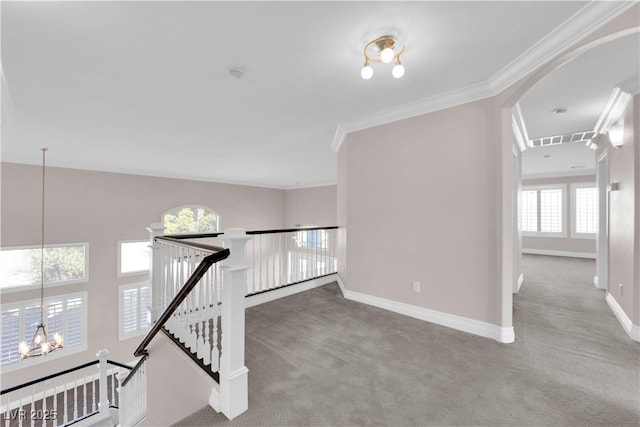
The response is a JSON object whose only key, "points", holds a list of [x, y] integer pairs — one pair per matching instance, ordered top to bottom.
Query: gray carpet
{"points": [[316, 359]]}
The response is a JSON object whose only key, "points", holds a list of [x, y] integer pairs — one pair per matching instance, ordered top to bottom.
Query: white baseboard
{"points": [[559, 253], [520, 282], [286, 291], [476, 327], [632, 330]]}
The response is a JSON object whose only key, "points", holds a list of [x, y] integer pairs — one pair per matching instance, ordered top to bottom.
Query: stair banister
{"points": [[218, 254], [234, 389]]}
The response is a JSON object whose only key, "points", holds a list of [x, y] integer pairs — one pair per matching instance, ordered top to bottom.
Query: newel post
{"points": [[155, 273], [234, 388], [103, 404]]}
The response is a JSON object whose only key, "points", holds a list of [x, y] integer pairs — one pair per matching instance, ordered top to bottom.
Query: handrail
{"points": [[289, 230], [210, 235], [193, 236], [203, 247], [192, 281], [118, 364], [135, 369], [48, 377]]}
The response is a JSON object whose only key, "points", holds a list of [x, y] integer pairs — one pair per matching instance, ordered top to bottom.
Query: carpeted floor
{"points": [[316, 359]]}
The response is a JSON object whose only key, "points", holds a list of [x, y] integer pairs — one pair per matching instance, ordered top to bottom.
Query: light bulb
{"points": [[387, 55], [398, 71], [366, 72], [38, 339], [58, 339], [45, 347], [24, 349]]}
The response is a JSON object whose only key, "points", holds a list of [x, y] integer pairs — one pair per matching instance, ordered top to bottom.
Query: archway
{"points": [[510, 256]]}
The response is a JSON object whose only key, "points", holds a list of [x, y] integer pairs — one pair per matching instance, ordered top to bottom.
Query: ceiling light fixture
{"points": [[382, 50], [40, 344]]}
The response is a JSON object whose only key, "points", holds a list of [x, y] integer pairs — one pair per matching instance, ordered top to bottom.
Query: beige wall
{"points": [[421, 197], [429, 199], [314, 205], [103, 208], [623, 217], [568, 244]]}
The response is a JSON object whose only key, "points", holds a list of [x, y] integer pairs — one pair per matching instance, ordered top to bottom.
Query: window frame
{"points": [[538, 189], [574, 210], [119, 261], [21, 288], [122, 335], [65, 351]]}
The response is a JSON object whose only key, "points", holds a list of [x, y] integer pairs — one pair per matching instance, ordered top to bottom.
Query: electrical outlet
{"points": [[416, 287], [620, 288]]}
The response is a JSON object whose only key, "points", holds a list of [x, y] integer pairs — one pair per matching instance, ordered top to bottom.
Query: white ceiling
{"points": [[582, 86], [143, 87]]}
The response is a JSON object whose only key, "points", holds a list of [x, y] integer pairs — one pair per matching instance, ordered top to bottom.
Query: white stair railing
{"points": [[278, 258], [87, 391], [133, 394]]}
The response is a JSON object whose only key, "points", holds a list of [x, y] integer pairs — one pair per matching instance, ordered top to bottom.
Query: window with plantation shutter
{"points": [[529, 211], [543, 211], [551, 211], [584, 214], [134, 300], [65, 314], [75, 325], [10, 335]]}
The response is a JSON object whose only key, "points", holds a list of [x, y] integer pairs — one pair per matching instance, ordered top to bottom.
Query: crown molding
{"points": [[591, 17], [582, 23], [618, 101], [406, 111], [560, 174]]}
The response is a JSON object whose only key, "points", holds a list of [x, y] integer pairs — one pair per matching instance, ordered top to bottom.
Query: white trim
{"points": [[585, 21], [618, 101], [413, 109], [519, 128], [560, 174], [559, 253], [520, 282], [343, 288], [286, 291], [472, 326], [632, 330]]}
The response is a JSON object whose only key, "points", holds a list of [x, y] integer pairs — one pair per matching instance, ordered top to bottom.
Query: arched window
{"points": [[190, 219]]}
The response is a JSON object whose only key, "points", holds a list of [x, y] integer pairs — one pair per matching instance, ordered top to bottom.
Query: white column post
{"points": [[155, 273], [234, 388], [103, 405]]}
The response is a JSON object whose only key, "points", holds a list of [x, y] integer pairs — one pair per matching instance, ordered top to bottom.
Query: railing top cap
{"points": [[189, 244]]}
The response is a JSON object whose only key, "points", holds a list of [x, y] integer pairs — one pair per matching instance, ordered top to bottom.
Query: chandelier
{"points": [[382, 50], [40, 344]]}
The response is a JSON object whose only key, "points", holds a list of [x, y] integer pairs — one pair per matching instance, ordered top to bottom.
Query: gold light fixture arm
{"points": [[381, 43]]}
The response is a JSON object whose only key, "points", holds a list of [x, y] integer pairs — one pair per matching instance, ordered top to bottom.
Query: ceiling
{"points": [[144, 87], [583, 87]]}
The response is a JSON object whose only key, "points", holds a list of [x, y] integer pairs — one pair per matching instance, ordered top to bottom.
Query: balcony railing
{"points": [[82, 392]]}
